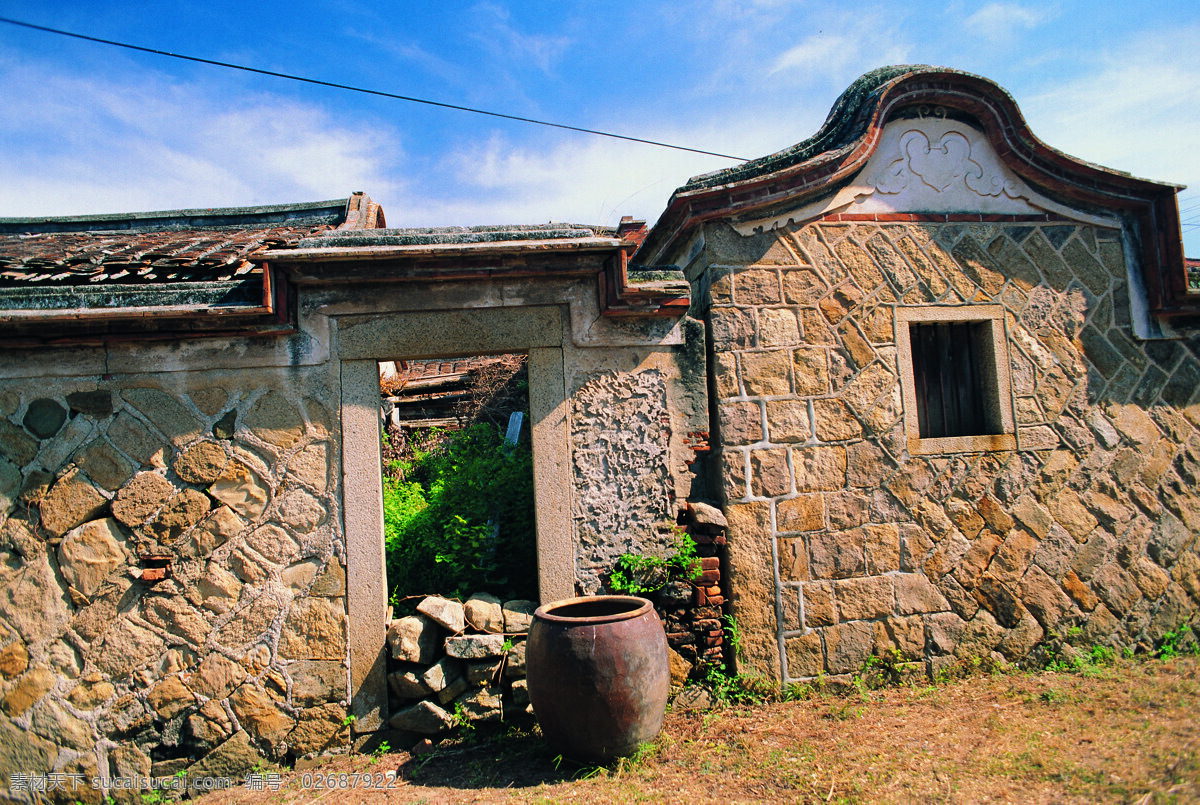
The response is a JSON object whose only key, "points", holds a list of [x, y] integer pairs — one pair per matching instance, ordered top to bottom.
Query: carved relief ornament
{"points": [[931, 165]]}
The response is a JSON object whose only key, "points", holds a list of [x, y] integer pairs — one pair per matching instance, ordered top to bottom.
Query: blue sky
{"points": [[86, 128]]}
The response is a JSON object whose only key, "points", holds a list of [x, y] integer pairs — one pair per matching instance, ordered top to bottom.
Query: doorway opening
{"points": [[457, 473]]}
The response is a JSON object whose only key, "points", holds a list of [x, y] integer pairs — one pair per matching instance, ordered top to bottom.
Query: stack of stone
{"points": [[691, 609], [455, 661]]}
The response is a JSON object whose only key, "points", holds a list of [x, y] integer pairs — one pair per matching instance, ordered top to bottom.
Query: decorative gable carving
{"points": [[931, 165]]}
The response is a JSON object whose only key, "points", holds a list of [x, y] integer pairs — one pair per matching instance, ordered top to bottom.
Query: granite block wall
{"points": [[847, 540]]}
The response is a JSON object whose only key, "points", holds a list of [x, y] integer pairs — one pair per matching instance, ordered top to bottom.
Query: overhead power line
{"points": [[350, 88]]}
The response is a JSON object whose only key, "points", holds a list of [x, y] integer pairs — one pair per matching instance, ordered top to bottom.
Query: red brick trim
{"points": [[944, 218], [619, 299]]}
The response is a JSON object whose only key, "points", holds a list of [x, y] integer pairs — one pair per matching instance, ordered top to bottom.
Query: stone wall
{"points": [[638, 424], [620, 440], [844, 542], [172, 578], [187, 579], [458, 662]]}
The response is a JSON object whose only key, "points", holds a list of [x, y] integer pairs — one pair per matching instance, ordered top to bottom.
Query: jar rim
{"points": [[594, 609]]}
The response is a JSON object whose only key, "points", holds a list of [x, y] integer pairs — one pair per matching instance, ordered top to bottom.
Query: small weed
{"points": [[733, 635], [1171, 645], [1087, 663], [968, 667], [884, 670], [739, 688], [799, 691], [1050, 696], [844, 710], [349, 720], [461, 721], [381, 750], [643, 754], [622, 765], [585, 771], [415, 772], [158, 795]]}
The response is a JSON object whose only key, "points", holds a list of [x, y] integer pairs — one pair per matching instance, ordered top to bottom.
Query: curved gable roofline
{"points": [[852, 132]]}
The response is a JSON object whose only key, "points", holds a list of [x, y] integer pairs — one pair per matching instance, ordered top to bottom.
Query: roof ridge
{"points": [[843, 125], [239, 218]]}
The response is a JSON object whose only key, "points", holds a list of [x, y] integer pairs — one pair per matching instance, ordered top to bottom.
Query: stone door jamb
{"points": [[361, 342]]}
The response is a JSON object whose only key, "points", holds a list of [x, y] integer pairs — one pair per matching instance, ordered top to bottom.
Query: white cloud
{"points": [[1002, 21], [516, 47], [844, 48], [409, 52], [819, 52], [1133, 110], [87, 145], [579, 179], [591, 180]]}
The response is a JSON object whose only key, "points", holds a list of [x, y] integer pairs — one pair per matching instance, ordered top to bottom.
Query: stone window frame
{"points": [[361, 343], [997, 387]]}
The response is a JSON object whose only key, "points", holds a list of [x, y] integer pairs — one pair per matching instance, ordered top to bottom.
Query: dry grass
{"points": [[1120, 733]]}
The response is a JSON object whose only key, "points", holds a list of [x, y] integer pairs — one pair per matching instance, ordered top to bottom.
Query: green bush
{"points": [[463, 520]]}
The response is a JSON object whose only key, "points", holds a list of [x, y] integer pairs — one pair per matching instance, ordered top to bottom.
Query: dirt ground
{"points": [[1126, 732]]}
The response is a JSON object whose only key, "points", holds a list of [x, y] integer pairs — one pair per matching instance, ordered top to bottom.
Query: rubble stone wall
{"points": [[638, 424], [176, 537], [843, 543], [172, 573], [453, 661]]}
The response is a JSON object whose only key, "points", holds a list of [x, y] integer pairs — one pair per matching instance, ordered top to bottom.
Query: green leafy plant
{"points": [[462, 518], [638, 574], [733, 635], [1171, 644], [1087, 663], [969, 666], [886, 669], [738, 689], [800, 691], [461, 719], [348, 720], [381, 750], [154, 796]]}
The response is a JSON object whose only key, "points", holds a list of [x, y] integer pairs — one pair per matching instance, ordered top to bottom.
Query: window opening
{"points": [[954, 378], [948, 379], [457, 471]]}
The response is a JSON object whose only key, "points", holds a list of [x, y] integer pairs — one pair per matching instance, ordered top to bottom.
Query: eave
{"points": [[605, 258], [259, 304]]}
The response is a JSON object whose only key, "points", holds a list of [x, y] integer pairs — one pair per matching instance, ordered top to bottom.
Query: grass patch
{"points": [[1127, 735]]}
